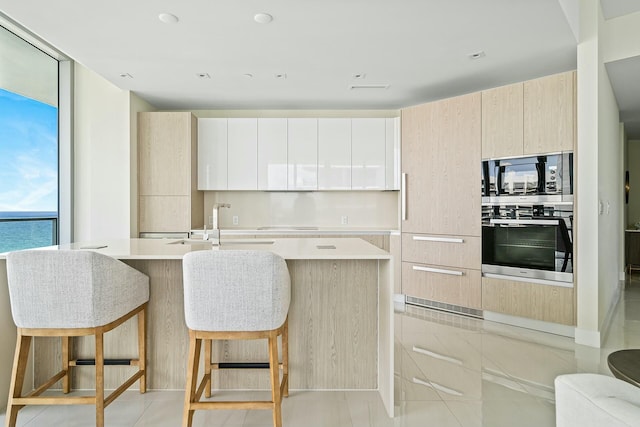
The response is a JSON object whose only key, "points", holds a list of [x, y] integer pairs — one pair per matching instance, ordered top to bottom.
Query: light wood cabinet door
{"points": [[549, 114], [502, 121], [441, 143], [302, 150], [164, 154], [212, 154], [242, 154], [272, 154], [334, 154], [369, 154], [164, 214], [454, 251], [461, 287], [531, 300]]}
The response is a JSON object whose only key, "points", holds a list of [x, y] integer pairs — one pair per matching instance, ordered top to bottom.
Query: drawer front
{"points": [[455, 251], [449, 285], [531, 300]]}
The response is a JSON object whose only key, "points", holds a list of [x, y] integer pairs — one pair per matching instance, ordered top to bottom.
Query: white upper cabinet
{"points": [[392, 143], [302, 148], [212, 154], [272, 154], [299, 154], [334, 154], [242, 159], [368, 163]]}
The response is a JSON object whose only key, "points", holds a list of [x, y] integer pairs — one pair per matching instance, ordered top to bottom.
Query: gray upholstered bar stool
{"points": [[68, 294], [232, 295]]}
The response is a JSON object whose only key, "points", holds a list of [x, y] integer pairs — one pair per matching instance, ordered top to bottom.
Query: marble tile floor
{"points": [[450, 371]]}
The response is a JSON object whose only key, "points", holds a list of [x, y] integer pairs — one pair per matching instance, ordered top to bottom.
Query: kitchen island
{"points": [[340, 318]]}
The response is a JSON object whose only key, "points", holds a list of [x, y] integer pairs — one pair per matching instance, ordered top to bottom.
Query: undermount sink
{"points": [[222, 242]]}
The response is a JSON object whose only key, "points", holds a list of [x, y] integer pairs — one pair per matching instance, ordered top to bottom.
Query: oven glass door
{"points": [[521, 246]]}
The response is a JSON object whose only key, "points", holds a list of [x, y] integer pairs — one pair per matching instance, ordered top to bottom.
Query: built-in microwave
{"points": [[544, 178], [531, 242]]}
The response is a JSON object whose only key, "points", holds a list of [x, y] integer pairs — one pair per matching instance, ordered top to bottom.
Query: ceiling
{"points": [[418, 50]]}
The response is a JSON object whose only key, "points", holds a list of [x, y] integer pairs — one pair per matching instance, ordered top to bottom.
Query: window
{"points": [[29, 147]]}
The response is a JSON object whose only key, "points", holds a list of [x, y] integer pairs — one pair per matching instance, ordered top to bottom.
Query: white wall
{"points": [[102, 158], [600, 171], [610, 184], [586, 203]]}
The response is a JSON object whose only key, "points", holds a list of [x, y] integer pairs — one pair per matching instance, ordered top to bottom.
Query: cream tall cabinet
{"points": [[528, 118], [168, 199], [441, 206]]}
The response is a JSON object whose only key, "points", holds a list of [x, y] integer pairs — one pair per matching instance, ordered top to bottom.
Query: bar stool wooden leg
{"points": [[142, 346], [66, 356], [285, 358], [207, 366], [274, 368], [17, 377], [192, 378], [99, 379]]}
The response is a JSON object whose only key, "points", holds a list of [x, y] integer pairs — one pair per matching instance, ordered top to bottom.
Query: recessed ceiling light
{"points": [[168, 18], [262, 18], [477, 55], [203, 75], [126, 76], [280, 76], [359, 76], [368, 86]]}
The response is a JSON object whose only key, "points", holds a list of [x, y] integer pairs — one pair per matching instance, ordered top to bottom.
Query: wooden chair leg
{"points": [[142, 349], [21, 357], [66, 357], [285, 358], [207, 366], [274, 368], [99, 379], [192, 379]]}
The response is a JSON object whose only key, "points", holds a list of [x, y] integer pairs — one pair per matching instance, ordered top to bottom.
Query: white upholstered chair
{"points": [[67, 294], [232, 295], [585, 400]]}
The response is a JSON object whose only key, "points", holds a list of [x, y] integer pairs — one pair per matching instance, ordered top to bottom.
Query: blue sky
{"points": [[28, 154]]}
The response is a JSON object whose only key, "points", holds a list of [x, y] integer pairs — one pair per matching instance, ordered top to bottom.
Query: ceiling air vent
{"points": [[368, 86]]}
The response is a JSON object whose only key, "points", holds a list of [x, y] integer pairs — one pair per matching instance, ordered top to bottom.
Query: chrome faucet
{"points": [[215, 231]]}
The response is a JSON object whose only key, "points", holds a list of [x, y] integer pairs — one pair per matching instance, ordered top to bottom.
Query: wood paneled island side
{"points": [[340, 318]]}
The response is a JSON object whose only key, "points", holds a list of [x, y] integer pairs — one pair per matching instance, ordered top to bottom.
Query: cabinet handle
{"points": [[403, 197], [438, 239], [438, 270]]}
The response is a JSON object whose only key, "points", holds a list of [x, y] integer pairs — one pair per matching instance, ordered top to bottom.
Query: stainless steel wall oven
{"points": [[528, 241]]}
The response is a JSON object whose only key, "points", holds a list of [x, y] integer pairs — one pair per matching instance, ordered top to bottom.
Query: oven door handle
{"points": [[524, 221]]}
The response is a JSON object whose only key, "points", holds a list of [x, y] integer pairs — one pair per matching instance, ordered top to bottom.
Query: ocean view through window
{"points": [[28, 145]]}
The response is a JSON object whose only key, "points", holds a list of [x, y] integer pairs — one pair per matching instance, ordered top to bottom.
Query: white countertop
{"points": [[288, 248]]}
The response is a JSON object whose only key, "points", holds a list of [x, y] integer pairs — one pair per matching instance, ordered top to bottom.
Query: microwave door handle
{"points": [[523, 222]]}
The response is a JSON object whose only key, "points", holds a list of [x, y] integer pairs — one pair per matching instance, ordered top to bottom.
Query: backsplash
{"points": [[375, 209]]}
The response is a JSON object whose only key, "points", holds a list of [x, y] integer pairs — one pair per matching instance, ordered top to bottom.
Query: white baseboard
{"points": [[588, 337]]}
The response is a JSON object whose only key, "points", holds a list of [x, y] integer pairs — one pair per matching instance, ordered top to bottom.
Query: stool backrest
{"points": [[71, 288], [235, 290]]}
